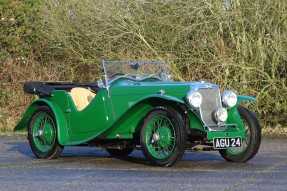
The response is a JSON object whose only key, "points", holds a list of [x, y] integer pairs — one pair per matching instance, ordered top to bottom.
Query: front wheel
{"points": [[42, 134], [162, 136], [250, 144]]}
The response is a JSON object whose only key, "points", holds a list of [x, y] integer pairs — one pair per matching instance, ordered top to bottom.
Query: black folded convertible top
{"points": [[43, 89]]}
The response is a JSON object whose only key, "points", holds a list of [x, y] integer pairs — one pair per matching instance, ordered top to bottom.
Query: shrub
{"points": [[242, 46]]}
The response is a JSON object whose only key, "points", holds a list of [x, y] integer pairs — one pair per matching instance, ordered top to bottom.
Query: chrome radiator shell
{"points": [[211, 101]]}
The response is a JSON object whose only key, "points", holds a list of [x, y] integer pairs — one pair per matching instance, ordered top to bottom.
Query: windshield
{"points": [[136, 70]]}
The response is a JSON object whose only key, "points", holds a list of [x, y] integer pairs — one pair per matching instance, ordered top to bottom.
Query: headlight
{"points": [[194, 98], [229, 99], [221, 115]]}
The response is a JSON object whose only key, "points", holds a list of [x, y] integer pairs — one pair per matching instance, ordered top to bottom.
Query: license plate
{"points": [[222, 143]]}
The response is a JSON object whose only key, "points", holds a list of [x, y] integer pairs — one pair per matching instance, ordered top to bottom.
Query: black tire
{"points": [[179, 129], [253, 143], [55, 148], [120, 153]]}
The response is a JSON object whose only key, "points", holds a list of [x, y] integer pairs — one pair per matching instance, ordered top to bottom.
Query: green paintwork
{"points": [[58, 104], [117, 112], [195, 122], [235, 128], [159, 135], [245, 137]]}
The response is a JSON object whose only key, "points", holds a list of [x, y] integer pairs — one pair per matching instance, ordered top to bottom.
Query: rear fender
{"points": [[62, 125]]}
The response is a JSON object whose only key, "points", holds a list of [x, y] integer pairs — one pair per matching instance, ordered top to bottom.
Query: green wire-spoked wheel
{"points": [[42, 134], [162, 136], [251, 141]]}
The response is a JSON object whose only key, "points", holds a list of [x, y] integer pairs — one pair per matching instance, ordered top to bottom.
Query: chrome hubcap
{"points": [[155, 138]]}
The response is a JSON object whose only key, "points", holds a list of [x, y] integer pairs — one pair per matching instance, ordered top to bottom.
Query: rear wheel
{"points": [[42, 134], [162, 136], [251, 143]]}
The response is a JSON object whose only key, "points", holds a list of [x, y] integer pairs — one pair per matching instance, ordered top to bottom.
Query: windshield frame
{"points": [[165, 72]]}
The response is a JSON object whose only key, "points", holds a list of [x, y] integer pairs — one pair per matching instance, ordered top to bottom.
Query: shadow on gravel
{"points": [[20, 147], [93, 157], [138, 158]]}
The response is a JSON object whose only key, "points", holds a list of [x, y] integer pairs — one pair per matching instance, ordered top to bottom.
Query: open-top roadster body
{"points": [[138, 105]]}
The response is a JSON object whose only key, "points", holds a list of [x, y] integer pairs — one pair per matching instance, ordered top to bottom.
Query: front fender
{"points": [[161, 97], [244, 98], [129, 121], [62, 125]]}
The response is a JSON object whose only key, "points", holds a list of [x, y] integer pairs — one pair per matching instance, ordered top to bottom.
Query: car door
{"points": [[91, 121]]}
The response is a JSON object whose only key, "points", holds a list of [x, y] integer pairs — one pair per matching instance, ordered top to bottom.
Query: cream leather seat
{"points": [[82, 97]]}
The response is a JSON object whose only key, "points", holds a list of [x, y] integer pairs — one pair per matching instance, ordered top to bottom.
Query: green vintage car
{"points": [[137, 105]]}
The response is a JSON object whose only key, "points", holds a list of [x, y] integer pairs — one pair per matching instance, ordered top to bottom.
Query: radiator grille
{"points": [[211, 100]]}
